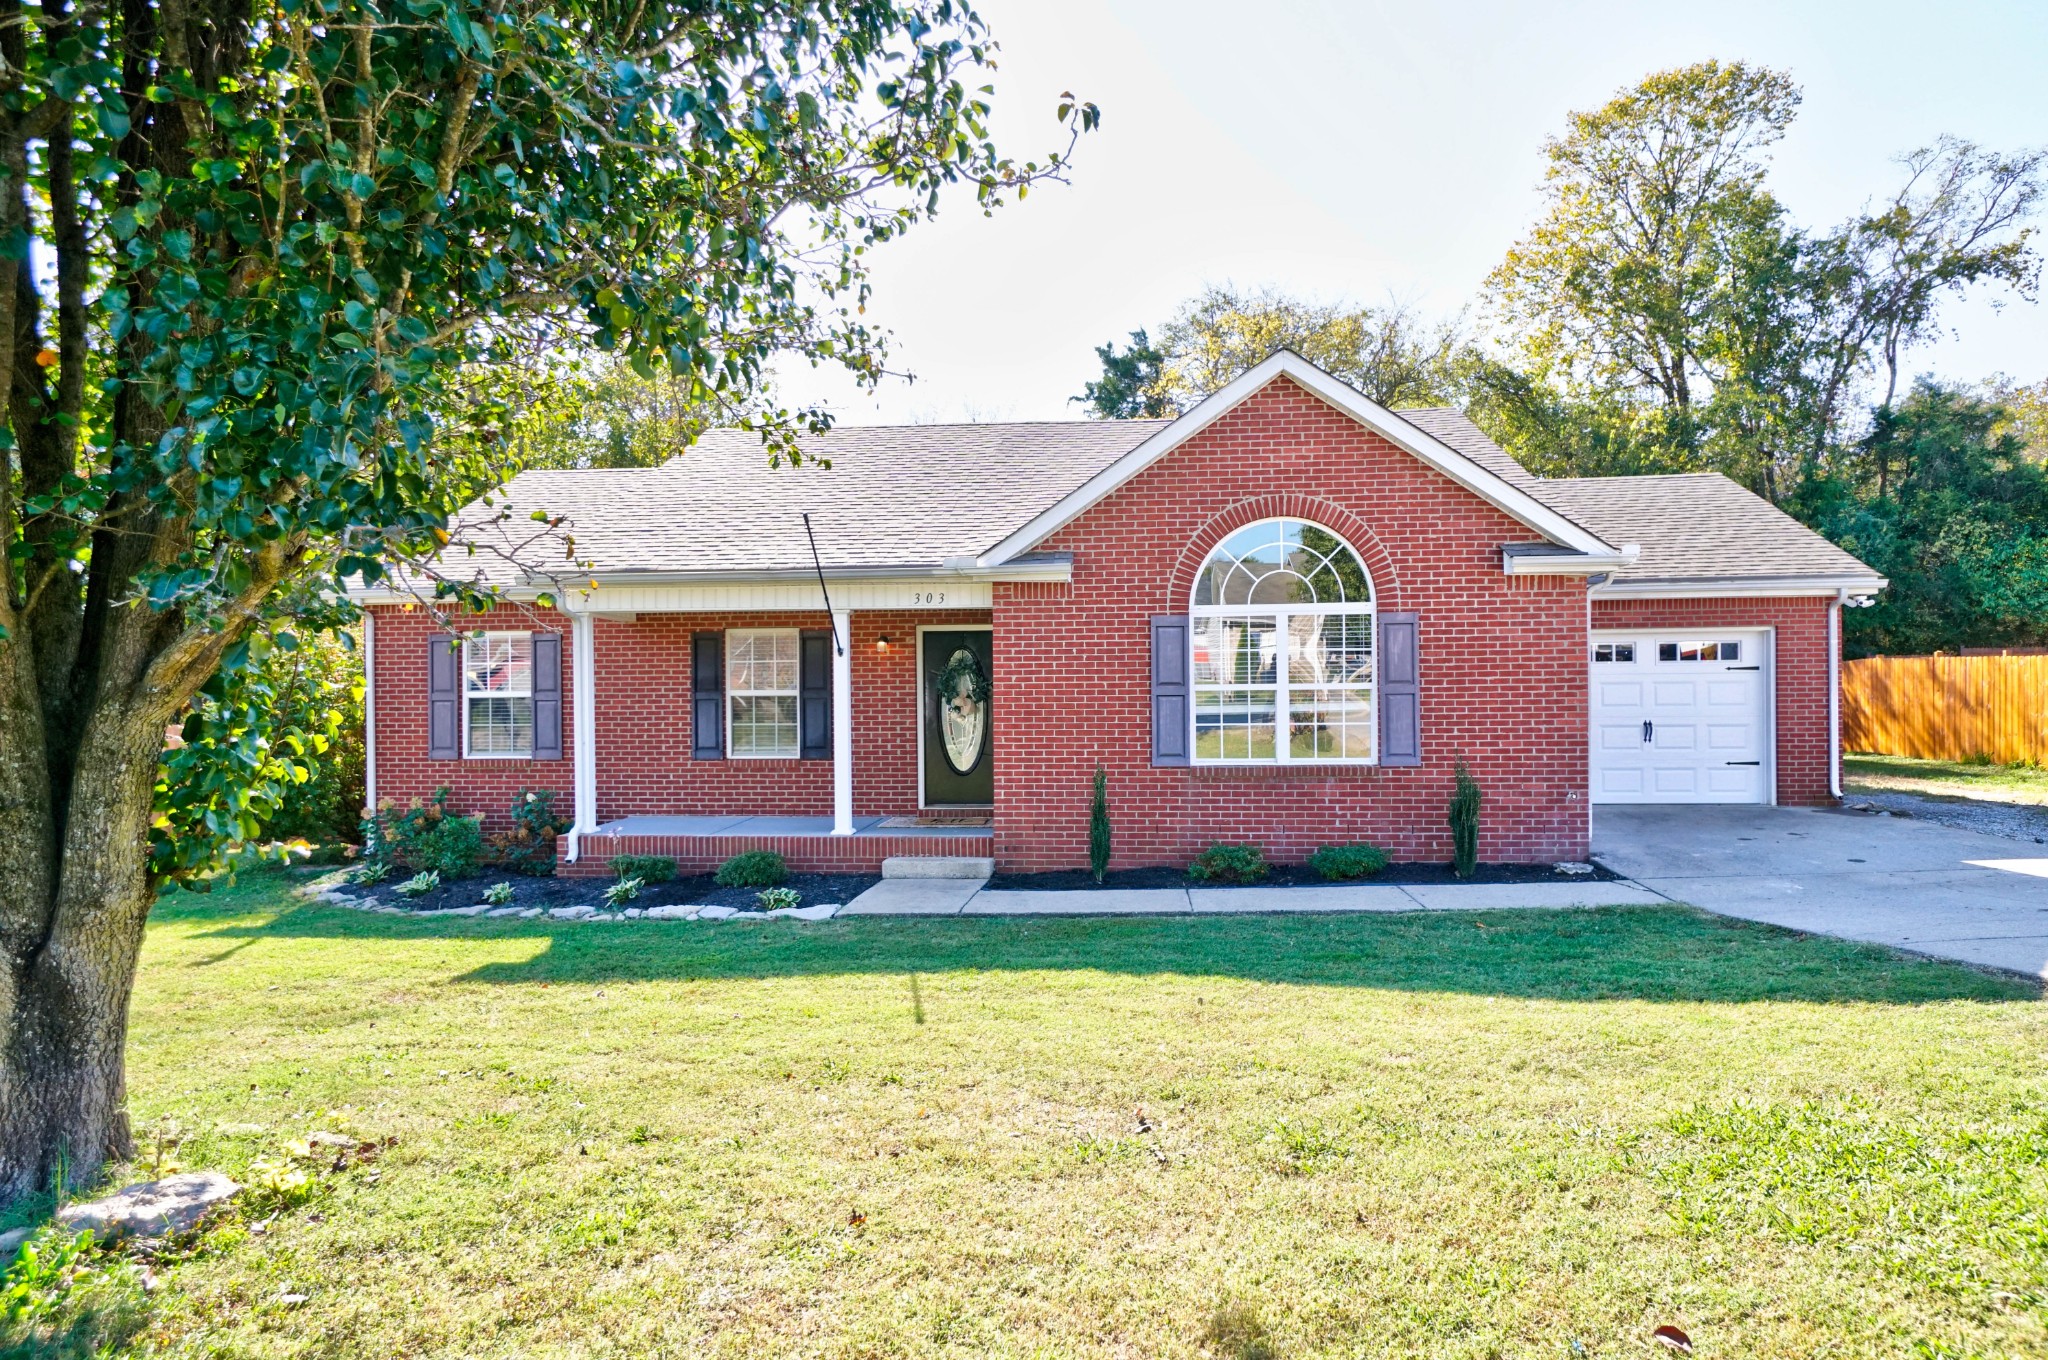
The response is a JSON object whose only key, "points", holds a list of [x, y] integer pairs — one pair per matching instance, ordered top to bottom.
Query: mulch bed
{"points": [[1293, 875], [684, 889]]}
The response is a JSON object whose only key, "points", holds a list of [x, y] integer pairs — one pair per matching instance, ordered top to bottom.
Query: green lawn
{"points": [[1946, 778], [1510, 1134]]}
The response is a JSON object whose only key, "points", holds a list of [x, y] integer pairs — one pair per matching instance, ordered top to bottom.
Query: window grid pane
{"points": [[498, 663], [761, 692], [763, 725], [500, 727]]}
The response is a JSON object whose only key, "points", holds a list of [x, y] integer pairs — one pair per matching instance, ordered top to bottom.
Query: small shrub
{"points": [[1977, 758], [1465, 823], [1098, 826], [428, 836], [529, 847], [1338, 862], [1222, 863], [646, 868], [752, 869], [371, 873], [419, 885], [625, 890], [498, 894], [778, 899]]}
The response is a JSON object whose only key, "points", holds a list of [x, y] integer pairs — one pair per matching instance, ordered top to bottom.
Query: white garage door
{"points": [[1681, 718]]}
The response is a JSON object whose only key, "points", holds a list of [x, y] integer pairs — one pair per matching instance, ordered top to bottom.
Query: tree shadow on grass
{"points": [[1662, 954]]}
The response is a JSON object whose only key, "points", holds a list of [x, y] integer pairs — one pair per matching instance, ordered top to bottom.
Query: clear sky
{"points": [[1353, 150]]}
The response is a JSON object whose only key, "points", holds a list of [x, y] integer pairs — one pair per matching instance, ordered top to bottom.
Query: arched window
{"points": [[1283, 655]]}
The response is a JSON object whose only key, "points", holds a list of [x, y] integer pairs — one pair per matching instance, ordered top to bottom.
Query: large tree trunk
{"points": [[64, 996]]}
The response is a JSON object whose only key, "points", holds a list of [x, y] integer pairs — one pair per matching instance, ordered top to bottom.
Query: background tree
{"points": [[248, 254], [1665, 315], [1386, 352], [1943, 498]]}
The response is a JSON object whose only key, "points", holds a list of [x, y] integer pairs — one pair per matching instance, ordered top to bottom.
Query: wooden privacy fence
{"points": [[1947, 707]]}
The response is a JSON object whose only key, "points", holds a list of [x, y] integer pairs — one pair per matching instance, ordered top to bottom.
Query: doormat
{"points": [[942, 819]]}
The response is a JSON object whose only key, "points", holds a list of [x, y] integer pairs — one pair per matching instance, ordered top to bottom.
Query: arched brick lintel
{"points": [[1379, 564]]}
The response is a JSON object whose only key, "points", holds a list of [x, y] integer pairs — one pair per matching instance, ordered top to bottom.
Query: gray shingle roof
{"points": [[894, 496], [915, 496], [1698, 527]]}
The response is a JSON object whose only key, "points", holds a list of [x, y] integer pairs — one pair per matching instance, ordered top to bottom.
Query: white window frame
{"points": [[1283, 686], [794, 692], [468, 694]]}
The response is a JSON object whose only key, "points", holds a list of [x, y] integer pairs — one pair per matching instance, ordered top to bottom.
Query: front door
{"points": [[958, 740]]}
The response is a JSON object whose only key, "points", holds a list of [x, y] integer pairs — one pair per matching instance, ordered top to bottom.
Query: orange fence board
{"points": [[1947, 707]]}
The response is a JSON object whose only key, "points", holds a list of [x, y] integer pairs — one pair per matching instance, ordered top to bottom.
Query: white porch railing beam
{"points": [[842, 722]]}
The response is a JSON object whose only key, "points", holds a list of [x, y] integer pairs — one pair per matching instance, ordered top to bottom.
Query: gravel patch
{"points": [[2014, 821]]}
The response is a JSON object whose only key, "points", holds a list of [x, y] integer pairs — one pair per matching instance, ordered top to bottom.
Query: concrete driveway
{"points": [[1888, 880]]}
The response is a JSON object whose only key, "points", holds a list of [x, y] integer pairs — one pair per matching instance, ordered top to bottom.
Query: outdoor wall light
{"points": [[882, 643]]}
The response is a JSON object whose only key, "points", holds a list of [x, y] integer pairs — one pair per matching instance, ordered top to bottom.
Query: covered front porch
{"points": [[709, 722], [810, 844]]}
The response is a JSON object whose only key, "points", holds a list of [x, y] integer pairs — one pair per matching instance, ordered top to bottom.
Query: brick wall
{"points": [[1503, 659], [1800, 671], [643, 720]]}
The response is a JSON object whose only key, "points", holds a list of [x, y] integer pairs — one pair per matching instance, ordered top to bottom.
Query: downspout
{"points": [[1835, 694], [369, 712], [583, 729]]}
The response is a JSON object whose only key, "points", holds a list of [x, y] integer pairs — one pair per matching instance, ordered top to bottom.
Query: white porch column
{"points": [[842, 722], [583, 729]]}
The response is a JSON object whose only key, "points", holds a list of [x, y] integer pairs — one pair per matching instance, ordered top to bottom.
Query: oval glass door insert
{"points": [[963, 711]]}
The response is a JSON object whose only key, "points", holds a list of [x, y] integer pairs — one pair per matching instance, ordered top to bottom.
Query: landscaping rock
{"points": [[1573, 867], [459, 911], [511, 911], [820, 912], [529, 913], [572, 913], [634, 913], [676, 913], [716, 913], [602, 916], [172, 1205], [11, 1240]]}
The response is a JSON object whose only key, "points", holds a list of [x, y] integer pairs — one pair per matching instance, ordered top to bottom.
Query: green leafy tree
{"points": [[249, 257], [1664, 313], [1386, 352], [1129, 386], [1943, 498]]}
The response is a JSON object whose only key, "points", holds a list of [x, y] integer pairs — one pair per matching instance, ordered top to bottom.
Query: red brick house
{"points": [[1281, 618]]}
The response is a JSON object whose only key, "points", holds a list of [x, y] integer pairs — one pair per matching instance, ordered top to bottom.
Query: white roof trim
{"points": [[1503, 495], [1513, 563], [1751, 587]]}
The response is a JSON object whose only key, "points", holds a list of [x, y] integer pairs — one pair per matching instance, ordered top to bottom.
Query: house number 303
{"points": [[928, 597]]}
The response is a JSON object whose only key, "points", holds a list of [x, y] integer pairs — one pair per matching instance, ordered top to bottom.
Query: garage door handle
{"points": [[1745, 668], [1649, 730], [1745, 762]]}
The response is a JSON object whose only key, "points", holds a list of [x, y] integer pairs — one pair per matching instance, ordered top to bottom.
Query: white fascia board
{"points": [[1504, 496], [1567, 564], [1056, 570], [1059, 570], [1749, 588]]}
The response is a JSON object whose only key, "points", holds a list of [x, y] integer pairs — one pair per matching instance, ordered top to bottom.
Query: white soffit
{"points": [[1505, 497]]}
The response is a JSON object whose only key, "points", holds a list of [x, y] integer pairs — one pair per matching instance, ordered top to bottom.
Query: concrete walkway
{"points": [[1897, 881], [955, 897]]}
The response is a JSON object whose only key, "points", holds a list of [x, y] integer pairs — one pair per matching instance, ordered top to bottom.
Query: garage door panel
{"points": [[1679, 731], [1621, 736], [1728, 736], [1675, 737], [1675, 779], [1731, 779], [1622, 780]]}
